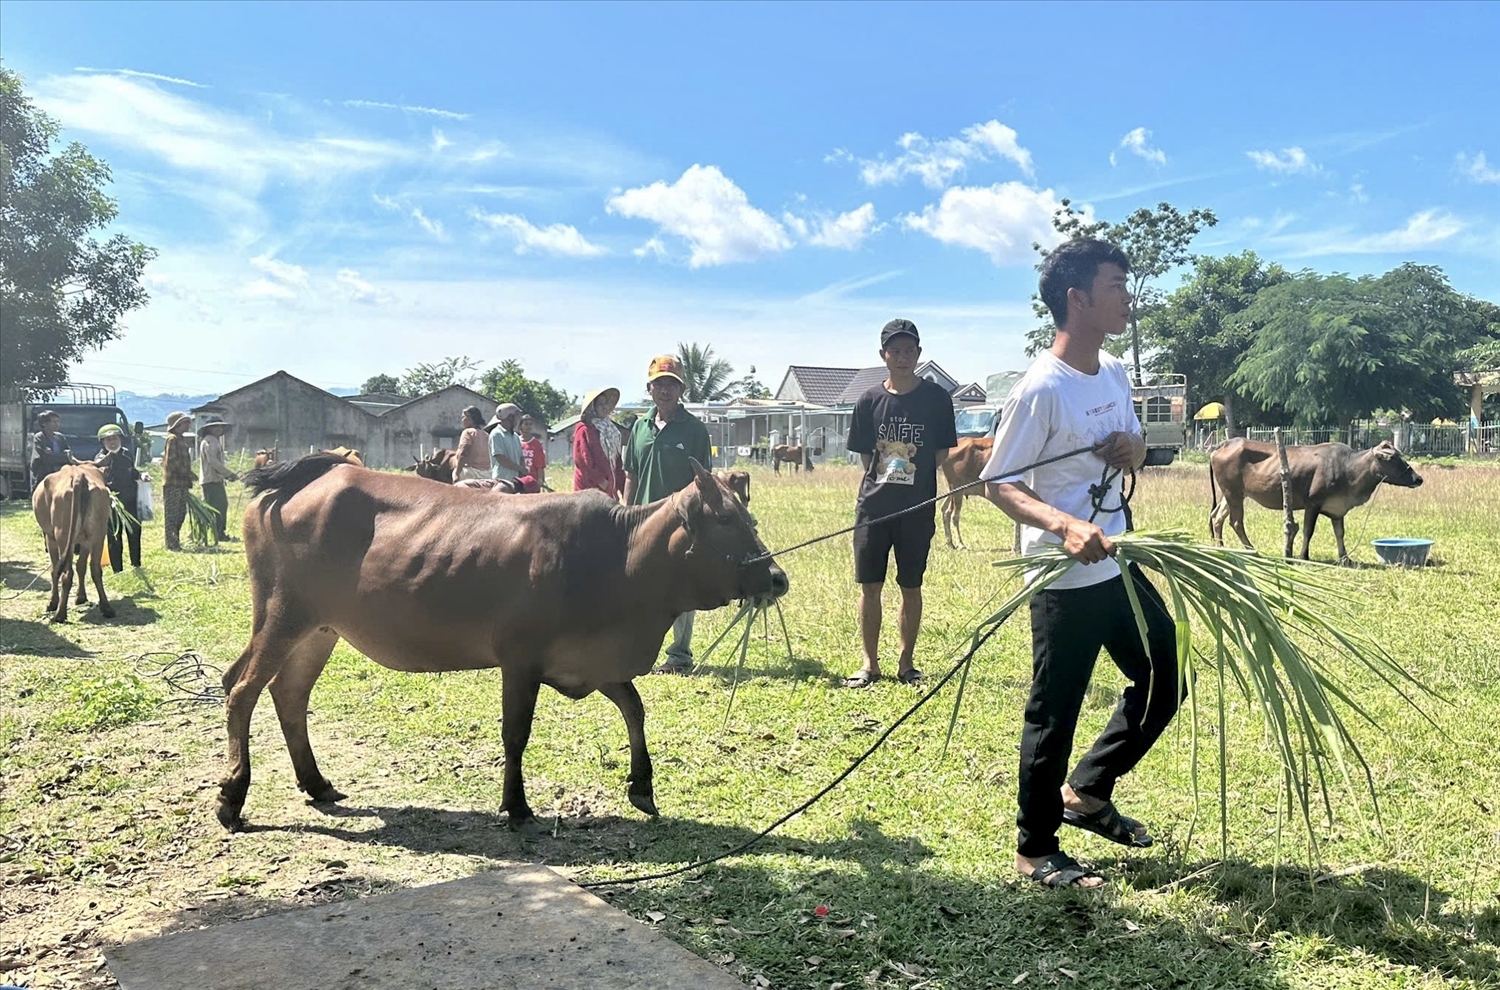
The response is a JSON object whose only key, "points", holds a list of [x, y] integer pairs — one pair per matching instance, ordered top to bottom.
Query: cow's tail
{"points": [[292, 476], [1213, 495], [80, 507]]}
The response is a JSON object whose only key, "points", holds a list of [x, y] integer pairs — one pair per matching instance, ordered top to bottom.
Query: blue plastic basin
{"points": [[1402, 551]]}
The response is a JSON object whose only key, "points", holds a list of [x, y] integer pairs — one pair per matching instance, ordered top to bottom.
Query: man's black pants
{"points": [[217, 498], [119, 533], [1068, 627]]}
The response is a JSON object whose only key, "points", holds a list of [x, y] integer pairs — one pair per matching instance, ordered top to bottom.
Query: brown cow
{"points": [[785, 454], [265, 457], [436, 466], [962, 466], [1328, 479], [737, 482], [72, 507], [570, 590]]}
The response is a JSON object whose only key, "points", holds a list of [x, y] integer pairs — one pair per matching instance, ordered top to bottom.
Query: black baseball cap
{"points": [[896, 328]]}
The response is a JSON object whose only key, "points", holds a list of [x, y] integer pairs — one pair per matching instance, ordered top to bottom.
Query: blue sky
{"points": [[343, 190]]}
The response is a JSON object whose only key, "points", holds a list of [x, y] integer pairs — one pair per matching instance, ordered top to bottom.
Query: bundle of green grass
{"points": [[1270, 626]]}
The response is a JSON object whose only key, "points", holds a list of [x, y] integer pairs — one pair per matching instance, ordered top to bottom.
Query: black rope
{"points": [[920, 505], [189, 677], [754, 840]]}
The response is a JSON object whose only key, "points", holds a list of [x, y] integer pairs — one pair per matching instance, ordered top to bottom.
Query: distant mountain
{"points": [[153, 409]]}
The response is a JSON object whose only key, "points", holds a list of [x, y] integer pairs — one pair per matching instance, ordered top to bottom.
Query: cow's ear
{"points": [[1385, 450], [707, 485]]}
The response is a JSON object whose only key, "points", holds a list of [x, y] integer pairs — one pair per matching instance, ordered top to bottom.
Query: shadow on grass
{"points": [[19, 575], [127, 613], [28, 637], [1387, 913]]}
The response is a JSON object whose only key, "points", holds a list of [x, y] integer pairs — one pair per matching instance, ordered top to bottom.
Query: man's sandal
{"points": [[860, 679], [1108, 822], [1061, 870]]}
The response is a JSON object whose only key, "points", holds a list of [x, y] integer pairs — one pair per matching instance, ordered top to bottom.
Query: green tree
{"points": [[1156, 241], [62, 292], [1196, 333], [1329, 348], [436, 375], [707, 376], [508, 383], [389, 384], [748, 387]]}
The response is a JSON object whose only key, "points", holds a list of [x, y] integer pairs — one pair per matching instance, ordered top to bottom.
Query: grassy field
{"points": [[108, 775]]}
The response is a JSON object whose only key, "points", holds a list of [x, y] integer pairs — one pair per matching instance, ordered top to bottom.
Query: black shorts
{"points": [[909, 535]]}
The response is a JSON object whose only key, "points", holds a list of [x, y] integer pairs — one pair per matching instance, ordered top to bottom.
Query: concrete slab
{"points": [[517, 928]]}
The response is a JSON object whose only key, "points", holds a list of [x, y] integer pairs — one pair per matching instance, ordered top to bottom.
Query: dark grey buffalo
{"points": [[1328, 479]]}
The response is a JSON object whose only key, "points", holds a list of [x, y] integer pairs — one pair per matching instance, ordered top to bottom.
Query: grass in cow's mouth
{"points": [[911, 857]]}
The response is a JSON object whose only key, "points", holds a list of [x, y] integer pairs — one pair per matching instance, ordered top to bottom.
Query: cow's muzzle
{"points": [[775, 585]]}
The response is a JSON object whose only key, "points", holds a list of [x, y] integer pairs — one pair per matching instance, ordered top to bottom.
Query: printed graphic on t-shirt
{"points": [[1111, 417], [896, 446], [896, 463]]}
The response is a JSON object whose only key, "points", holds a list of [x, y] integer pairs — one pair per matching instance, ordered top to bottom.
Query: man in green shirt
{"points": [[658, 462]]}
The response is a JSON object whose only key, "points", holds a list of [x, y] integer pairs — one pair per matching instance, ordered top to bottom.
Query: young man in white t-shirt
{"points": [[1076, 395]]}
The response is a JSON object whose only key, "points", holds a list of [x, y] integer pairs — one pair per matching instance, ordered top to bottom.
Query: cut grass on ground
{"points": [[107, 830]]}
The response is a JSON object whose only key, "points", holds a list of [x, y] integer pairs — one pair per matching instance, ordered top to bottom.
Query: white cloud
{"points": [[153, 76], [405, 108], [196, 137], [439, 141], [1138, 143], [1290, 160], [937, 162], [1477, 168], [1358, 194], [386, 202], [707, 210], [1001, 220], [433, 227], [847, 230], [1427, 230], [557, 238], [654, 248], [282, 272], [264, 288], [356, 289]]}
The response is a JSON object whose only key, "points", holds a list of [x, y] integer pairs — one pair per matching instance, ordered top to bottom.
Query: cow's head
{"points": [[436, 466], [1392, 467], [725, 559]]}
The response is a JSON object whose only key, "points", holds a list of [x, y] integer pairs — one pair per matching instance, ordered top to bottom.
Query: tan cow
{"points": [[786, 454], [962, 466], [1327, 479], [737, 482], [72, 508], [570, 590]]}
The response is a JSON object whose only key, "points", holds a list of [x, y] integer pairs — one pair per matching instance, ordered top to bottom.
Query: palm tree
{"points": [[707, 377]]}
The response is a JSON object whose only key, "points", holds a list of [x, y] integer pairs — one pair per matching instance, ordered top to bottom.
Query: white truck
{"points": [[1161, 406]]}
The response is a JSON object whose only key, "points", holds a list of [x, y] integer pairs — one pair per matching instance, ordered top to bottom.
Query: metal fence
{"points": [[1418, 439]]}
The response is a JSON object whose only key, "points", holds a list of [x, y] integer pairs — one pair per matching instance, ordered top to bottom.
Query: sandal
{"points": [[912, 676], [861, 679], [1115, 827], [1061, 870]]}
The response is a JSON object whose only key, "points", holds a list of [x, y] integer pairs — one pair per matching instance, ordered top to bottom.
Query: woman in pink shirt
{"points": [[596, 445], [471, 459]]}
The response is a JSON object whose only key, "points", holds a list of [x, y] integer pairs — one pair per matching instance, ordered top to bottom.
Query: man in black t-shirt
{"points": [[901, 428]]}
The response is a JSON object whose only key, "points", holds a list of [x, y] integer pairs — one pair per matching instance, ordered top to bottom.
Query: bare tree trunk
{"points": [[1229, 426], [1289, 523]]}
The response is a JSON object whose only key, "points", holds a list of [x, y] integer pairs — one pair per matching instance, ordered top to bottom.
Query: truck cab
{"points": [[81, 408]]}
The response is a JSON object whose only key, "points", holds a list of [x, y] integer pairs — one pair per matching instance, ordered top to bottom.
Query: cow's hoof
{"points": [[107, 611], [57, 618], [324, 793], [645, 803], [520, 817], [230, 818]]}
